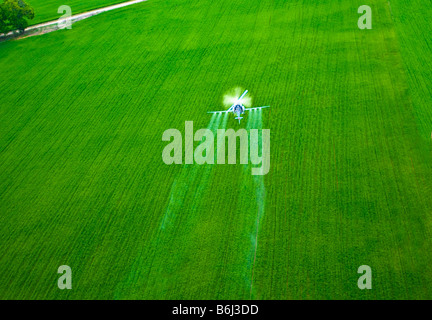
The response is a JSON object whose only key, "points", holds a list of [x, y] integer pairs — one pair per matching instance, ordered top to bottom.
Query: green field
{"points": [[47, 10], [82, 181]]}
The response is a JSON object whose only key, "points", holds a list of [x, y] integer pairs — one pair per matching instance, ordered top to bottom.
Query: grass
{"points": [[46, 10], [82, 181]]}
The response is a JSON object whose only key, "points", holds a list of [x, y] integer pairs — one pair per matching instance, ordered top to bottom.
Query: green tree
{"points": [[14, 15], [3, 20]]}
